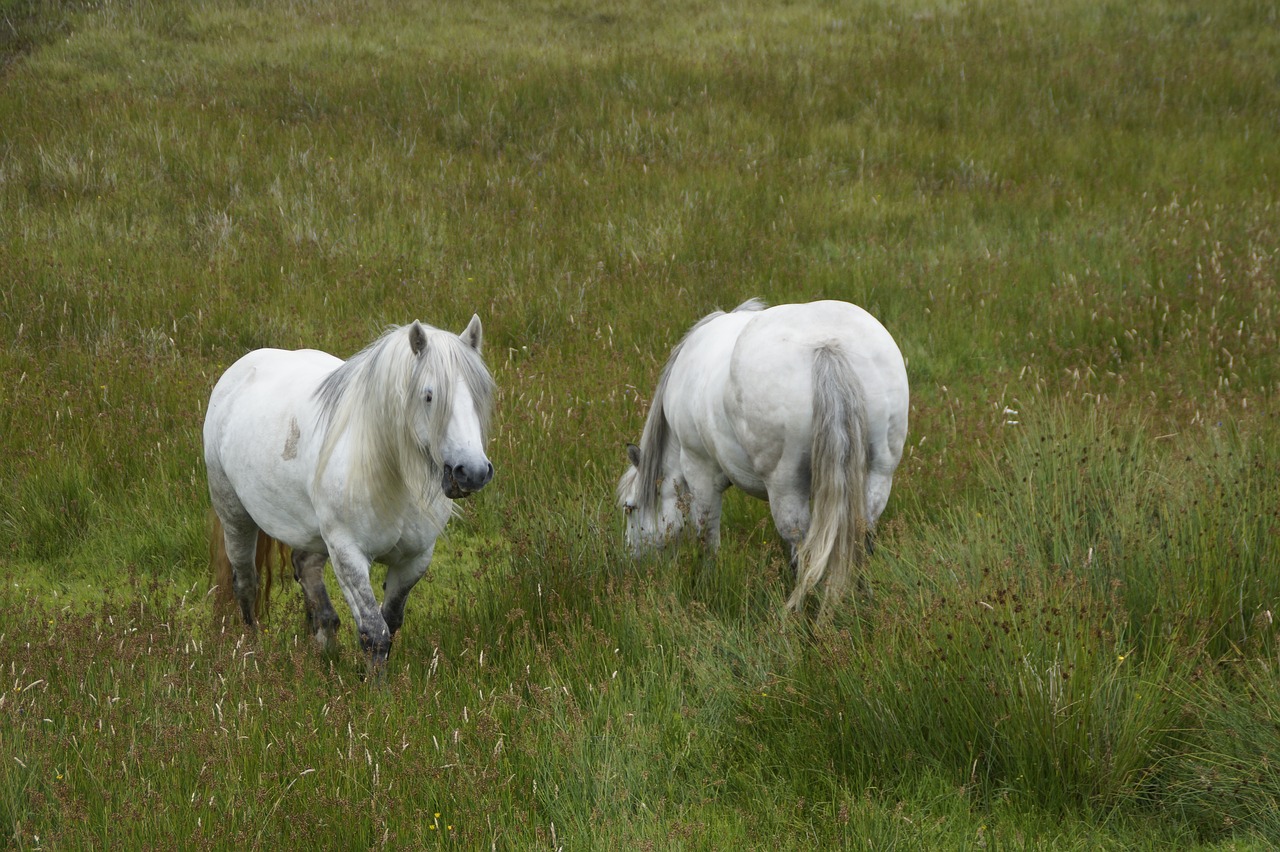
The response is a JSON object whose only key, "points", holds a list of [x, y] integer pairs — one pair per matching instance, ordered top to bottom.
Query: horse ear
{"points": [[473, 334], [417, 338], [633, 454]]}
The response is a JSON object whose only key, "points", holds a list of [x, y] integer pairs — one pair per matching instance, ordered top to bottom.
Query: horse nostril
{"points": [[471, 477]]}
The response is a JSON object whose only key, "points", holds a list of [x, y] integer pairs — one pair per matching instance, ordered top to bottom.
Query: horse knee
{"points": [[394, 618]]}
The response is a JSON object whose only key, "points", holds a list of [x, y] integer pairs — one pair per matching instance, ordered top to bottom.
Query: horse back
{"points": [[269, 379]]}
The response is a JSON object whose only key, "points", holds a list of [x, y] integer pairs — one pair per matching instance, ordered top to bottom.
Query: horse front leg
{"points": [[704, 491], [705, 512], [351, 567], [402, 576], [322, 621]]}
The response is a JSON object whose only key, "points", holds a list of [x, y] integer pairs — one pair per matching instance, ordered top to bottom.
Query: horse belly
{"points": [[739, 471], [282, 508]]}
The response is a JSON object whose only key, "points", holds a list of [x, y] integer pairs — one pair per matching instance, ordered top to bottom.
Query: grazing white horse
{"points": [[801, 405], [355, 461]]}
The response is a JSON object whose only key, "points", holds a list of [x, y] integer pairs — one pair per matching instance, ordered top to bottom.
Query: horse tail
{"points": [[836, 541], [269, 558]]}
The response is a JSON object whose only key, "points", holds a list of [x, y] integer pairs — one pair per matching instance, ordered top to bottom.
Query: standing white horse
{"points": [[801, 405], [355, 461]]}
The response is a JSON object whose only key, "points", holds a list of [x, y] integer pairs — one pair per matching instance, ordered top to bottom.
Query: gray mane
{"points": [[371, 397], [657, 431]]}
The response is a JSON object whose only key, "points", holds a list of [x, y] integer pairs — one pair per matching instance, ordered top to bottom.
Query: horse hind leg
{"points": [[877, 491], [790, 512], [241, 542], [322, 621]]}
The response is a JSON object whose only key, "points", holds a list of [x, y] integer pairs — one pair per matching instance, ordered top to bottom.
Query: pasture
{"points": [[1065, 213]]}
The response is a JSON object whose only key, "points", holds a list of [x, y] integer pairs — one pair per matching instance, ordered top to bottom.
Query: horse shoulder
{"points": [[695, 391]]}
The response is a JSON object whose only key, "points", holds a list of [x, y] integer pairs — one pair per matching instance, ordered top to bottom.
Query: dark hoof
{"points": [[864, 589], [328, 622], [378, 648]]}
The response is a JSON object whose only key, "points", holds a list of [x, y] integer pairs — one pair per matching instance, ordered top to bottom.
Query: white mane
{"points": [[372, 399]]}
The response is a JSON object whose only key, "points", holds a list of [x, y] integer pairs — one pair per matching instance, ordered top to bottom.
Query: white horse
{"points": [[801, 405], [355, 461]]}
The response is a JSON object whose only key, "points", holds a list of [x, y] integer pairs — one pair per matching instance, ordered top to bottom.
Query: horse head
{"points": [[454, 399], [650, 502]]}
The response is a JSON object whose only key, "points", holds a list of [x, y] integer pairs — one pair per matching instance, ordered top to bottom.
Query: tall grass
{"points": [[1064, 213]]}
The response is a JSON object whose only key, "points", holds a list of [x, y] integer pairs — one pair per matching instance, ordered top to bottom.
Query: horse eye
{"points": [[426, 395], [628, 508]]}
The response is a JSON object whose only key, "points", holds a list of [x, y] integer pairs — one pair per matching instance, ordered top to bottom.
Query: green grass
{"points": [[1064, 213]]}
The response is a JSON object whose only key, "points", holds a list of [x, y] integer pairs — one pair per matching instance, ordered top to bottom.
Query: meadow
{"points": [[1067, 214]]}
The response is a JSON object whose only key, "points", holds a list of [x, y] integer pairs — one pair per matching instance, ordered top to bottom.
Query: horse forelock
{"points": [[446, 359], [372, 399], [626, 486]]}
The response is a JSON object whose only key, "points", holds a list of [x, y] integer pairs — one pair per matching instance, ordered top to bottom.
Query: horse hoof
{"points": [[378, 649]]}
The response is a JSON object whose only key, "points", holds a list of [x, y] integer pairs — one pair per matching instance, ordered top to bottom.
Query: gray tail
{"points": [[836, 541]]}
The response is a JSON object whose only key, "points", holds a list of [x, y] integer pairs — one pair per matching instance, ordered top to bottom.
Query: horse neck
{"points": [[368, 415]]}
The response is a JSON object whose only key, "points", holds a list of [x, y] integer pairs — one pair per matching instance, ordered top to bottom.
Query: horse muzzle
{"points": [[461, 481]]}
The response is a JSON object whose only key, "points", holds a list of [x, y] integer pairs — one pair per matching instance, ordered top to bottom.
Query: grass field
{"points": [[1068, 215]]}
